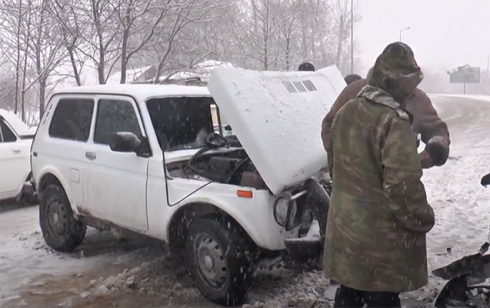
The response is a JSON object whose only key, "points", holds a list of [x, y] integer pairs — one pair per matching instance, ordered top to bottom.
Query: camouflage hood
{"points": [[396, 71]]}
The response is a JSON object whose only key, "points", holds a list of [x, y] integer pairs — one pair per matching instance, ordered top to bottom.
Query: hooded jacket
{"points": [[378, 215]]}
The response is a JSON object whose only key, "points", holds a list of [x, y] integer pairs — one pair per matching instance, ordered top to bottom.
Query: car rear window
{"points": [[72, 119]]}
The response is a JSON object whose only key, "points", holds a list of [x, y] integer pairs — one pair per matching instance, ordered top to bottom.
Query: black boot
{"points": [[348, 298], [382, 300]]}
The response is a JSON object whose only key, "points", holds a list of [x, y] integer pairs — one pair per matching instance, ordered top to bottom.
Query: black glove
{"points": [[438, 149], [485, 180]]}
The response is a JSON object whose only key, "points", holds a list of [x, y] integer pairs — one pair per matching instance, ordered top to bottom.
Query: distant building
{"points": [[136, 75], [197, 75]]}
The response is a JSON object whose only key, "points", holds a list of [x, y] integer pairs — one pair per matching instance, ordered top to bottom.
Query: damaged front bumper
{"points": [[310, 246], [470, 273]]}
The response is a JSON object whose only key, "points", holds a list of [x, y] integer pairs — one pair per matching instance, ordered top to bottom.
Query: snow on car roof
{"points": [[141, 92], [15, 122]]}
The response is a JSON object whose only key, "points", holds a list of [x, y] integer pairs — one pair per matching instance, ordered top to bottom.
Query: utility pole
{"points": [[407, 28], [352, 36]]}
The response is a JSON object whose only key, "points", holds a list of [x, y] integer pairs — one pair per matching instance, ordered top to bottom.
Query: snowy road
{"points": [[106, 271]]}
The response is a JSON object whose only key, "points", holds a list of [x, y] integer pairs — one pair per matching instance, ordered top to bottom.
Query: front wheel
{"points": [[60, 229], [218, 259]]}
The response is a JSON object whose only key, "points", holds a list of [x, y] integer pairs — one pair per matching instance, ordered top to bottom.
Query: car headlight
{"points": [[282, 206]]}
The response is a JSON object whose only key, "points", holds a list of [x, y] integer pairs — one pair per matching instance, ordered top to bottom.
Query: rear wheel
{"points": [[60, 229], [217, 256]]}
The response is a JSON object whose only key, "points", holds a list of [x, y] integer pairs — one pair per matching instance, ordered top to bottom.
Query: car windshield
{"points": [[183, 123]]}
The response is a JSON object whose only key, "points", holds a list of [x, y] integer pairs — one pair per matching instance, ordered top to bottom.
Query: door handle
{"points": [[16, 151], [91, 155]]}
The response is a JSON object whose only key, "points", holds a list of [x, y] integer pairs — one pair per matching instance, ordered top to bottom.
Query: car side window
{"points": [[115, 116], [72, 119], [6, 134]]}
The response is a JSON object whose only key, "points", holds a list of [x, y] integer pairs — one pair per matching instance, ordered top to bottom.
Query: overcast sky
{"points": [[444, 34]]}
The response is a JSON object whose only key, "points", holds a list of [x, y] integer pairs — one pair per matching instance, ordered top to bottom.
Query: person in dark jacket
{"points": [[306, 67], [351, 78], [426, 122]]}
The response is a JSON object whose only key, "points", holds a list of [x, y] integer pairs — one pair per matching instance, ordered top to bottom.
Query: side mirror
{"points": [[228, 128], [125, 142], [485, 180]]}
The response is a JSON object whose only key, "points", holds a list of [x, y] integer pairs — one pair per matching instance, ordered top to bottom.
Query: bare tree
{"points": [[21, 13], [64, 13], [13, 15], [135, 21], [342, 23], [16, 29], [92, 29], [257, 31], [279, 34], [213, 35], [289, 35], [39, 37], [46, 48], [173, 48], [26, 57], [7, 85]]}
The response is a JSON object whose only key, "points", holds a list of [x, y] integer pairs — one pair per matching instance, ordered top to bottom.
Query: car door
{"points": [[63, 146], [12, 162], [115, 187]]}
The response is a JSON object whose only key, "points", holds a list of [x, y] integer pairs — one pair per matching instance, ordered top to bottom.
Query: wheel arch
{"points": [[49, 177], [182, 218]]}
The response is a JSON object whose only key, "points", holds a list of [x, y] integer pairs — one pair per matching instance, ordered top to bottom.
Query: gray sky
{"points": [[444, 34]]}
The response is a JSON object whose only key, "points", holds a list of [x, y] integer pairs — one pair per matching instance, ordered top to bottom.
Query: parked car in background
{"points": [[15, 164]]}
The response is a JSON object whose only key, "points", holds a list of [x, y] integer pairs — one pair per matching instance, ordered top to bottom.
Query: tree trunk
{"points": [[96, 11], [340, 34], [288, 43], [124, 48], [124, 52], [18, 61], [163, 61], [101, 64], [158, 72], [24, 73], [76, 74], [42, 96]]}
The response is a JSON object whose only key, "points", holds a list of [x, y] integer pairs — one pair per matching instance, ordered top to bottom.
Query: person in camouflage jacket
{"points": [[375, 244]]}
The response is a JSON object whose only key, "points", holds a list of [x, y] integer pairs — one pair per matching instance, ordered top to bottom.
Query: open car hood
{"points": [[277, 117]]}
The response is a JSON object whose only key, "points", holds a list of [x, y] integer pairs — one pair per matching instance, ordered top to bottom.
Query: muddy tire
{"points": [[60, 229], [218, 259]]}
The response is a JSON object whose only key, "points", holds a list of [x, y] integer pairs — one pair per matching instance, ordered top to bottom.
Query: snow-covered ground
{"points": [[107, 271]]}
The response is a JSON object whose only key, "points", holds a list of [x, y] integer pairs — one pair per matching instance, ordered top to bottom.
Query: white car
{"points": [[144, 158], [15, 164]]}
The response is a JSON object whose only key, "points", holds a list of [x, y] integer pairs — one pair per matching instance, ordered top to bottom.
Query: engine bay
{"points": [[232, 166]]}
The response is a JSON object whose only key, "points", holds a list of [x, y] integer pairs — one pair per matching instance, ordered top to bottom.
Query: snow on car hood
{"points": [[277, 117], [15, 122]]}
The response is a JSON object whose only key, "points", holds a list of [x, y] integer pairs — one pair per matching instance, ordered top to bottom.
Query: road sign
{"points": [[465, 74]]}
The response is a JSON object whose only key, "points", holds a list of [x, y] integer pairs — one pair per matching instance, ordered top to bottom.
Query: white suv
{"points": [[144, 158]]}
